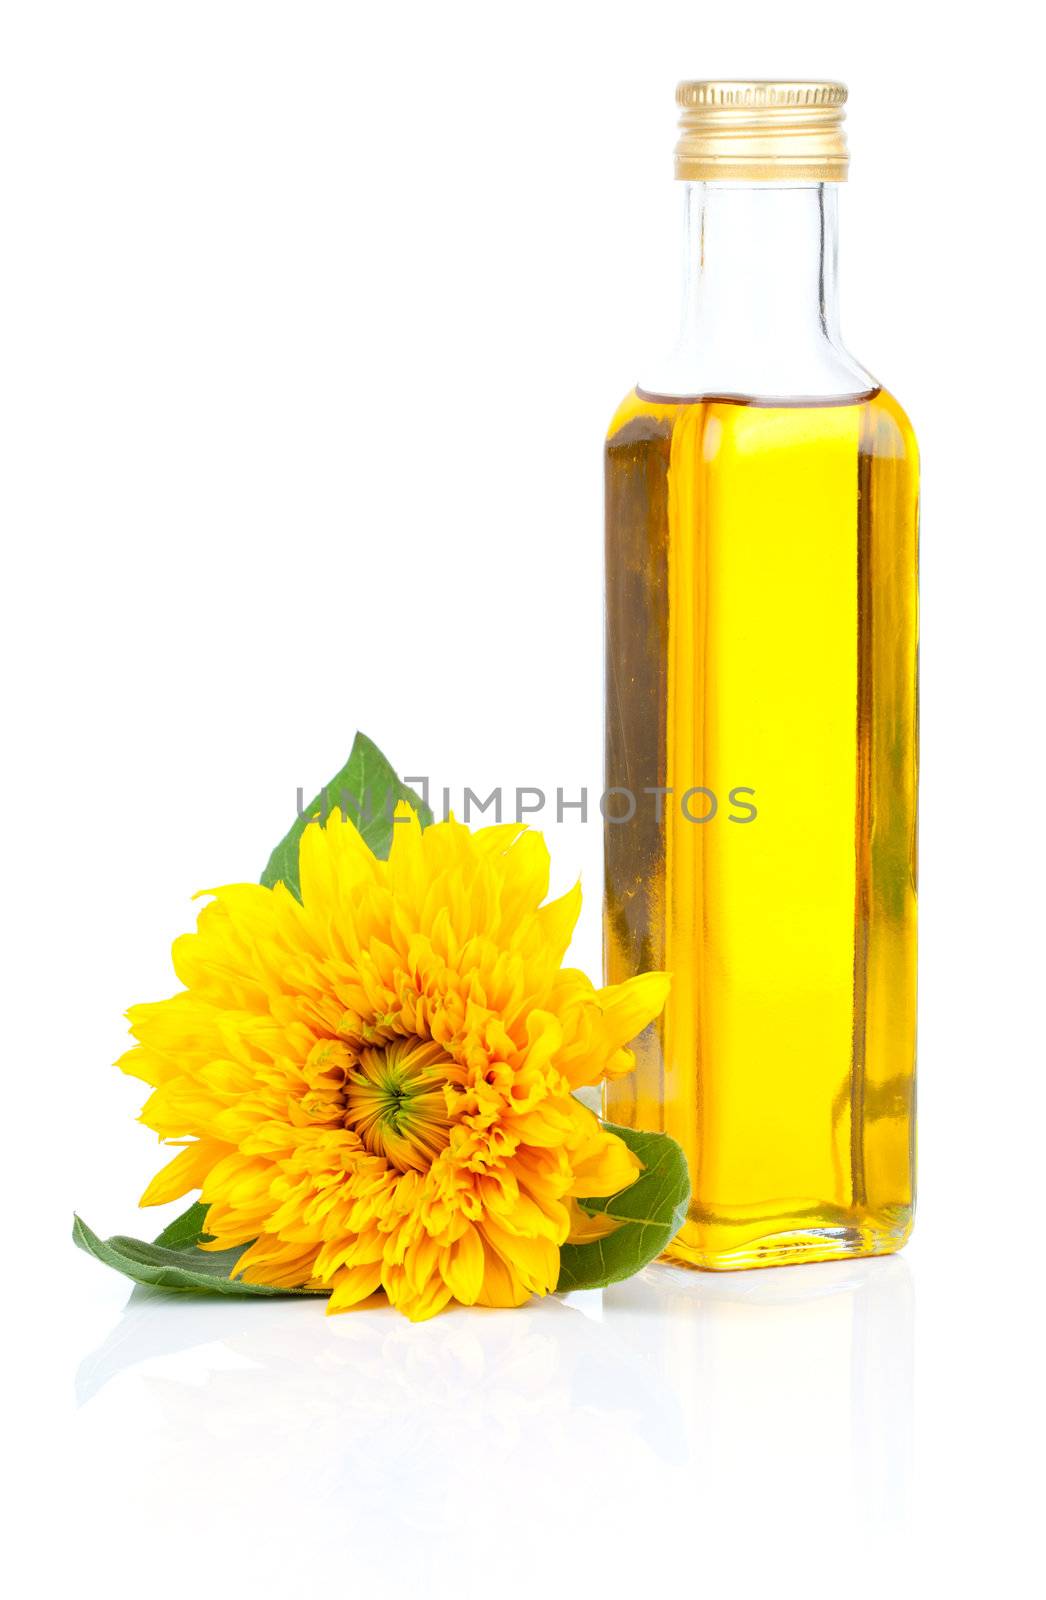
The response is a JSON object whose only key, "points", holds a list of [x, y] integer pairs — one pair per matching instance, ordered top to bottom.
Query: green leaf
{"points": [[367, 791], [650, 1211], [186, 1229], [167, 1265]]}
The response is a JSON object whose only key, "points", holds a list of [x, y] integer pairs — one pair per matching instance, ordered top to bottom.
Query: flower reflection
{"points": [[446, 1418]]}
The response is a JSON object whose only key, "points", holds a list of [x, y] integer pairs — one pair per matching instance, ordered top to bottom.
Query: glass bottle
{"points": [[761, 714]]}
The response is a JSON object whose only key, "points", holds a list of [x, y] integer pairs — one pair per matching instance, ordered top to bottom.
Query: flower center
{"points": [[394, 1101]]}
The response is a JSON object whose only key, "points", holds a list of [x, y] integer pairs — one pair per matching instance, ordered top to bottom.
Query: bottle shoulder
{"points": [[637, 406], [885, 426], [894, 434]]}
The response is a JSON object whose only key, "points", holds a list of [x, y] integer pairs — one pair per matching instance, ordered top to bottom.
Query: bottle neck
{"points": [[760, 310]]}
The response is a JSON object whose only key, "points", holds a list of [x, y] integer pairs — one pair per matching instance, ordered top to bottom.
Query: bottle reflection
{"points": [[796, 1383]]}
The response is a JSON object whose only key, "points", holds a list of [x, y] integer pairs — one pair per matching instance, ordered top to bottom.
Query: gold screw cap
{"points": [[761, 131]]}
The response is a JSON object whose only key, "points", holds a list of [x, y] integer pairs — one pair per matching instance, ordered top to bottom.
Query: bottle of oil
{"points": [[761, 719]]}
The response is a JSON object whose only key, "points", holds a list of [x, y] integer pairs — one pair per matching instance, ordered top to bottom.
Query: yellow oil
{"points": [[761, 656]]}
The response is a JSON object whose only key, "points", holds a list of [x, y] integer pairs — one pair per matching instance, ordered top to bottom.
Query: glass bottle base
{"points": [[721, 1246]]}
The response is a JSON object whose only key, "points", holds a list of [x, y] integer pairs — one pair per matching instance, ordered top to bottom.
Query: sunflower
{"points": [[373, 1085]]}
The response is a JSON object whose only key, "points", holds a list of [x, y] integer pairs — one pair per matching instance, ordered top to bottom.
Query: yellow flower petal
{"points": [[630, 1006], [607, 1167], [187, 1171], [588, 1226], [463, 1267], [353, 1285]]}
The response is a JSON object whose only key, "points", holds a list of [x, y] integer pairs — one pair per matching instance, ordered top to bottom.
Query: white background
{"points": [[313, 317]]}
